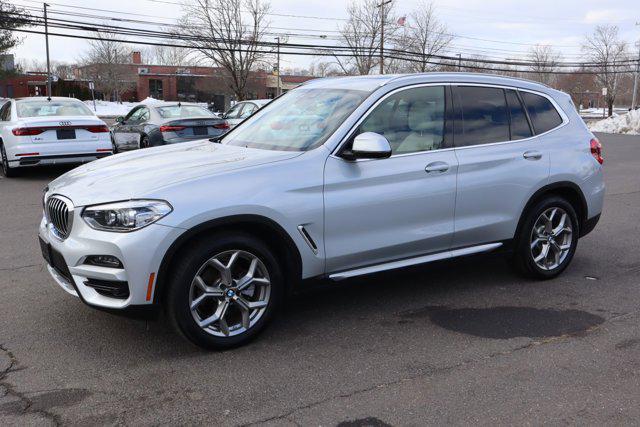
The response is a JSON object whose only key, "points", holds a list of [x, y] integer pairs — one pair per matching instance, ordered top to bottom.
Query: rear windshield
{"points": [[52, 108], [184, 111]]}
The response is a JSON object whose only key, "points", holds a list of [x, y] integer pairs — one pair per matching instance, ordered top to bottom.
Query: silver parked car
{"points": [[242, 110], [160, 123], [338, 178]]}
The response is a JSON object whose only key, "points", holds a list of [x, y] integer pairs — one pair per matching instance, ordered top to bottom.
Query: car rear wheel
{"points": [[144, 142], [7, 170], [548, 239], [223, 290]]}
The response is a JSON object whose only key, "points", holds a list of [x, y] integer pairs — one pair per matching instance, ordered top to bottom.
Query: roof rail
{"points": [[431, 73]]}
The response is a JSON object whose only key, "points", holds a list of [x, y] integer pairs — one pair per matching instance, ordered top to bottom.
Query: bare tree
{"points": [[11, 18], [228, 33], [361, 36], [427, 36], [605, 49], [170, 55], [544, 62], [106, 64], [322, 68]]}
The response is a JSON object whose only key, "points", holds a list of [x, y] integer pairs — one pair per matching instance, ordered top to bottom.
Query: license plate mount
{"points": [[200, 130], [66, 133]]}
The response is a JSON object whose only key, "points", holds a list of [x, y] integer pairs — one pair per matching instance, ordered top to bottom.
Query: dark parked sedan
{"points": [[149, 125]]}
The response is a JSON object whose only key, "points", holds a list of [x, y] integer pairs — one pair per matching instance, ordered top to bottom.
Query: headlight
{"points": [[125, 216]]}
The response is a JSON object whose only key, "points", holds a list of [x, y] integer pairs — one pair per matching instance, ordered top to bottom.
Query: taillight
{"points": [[223, 125], [171, 128], [97, 129], [27, 131], [596, 150]]}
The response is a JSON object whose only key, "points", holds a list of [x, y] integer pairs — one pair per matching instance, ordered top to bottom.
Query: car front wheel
{"points": [[548, 239], [224, 290]]}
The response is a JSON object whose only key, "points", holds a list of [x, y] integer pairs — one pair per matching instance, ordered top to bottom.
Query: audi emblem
{"points": [[65, 123]]}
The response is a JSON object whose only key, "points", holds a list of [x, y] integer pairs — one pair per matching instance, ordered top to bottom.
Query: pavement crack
{"points": [[20, 267], [434, 370], [424, 373], [10, 390]]}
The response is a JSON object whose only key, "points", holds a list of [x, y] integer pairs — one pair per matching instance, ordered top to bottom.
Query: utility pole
{"points": [[382, 21], [46, 38], [459, 61], [635, 79], [279, 88]]}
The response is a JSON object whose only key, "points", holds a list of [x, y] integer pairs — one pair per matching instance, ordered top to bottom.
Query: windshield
{"points": [[52, 108], [182, 111], [300, 120]]}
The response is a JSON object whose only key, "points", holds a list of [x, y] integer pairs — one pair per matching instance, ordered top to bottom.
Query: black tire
{"points": [[144, 142], [114, 146], [7, 171], [523, 257], [177, 299]]}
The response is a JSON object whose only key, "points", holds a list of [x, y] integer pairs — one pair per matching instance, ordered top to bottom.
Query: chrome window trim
{"points": [[349, 134]]}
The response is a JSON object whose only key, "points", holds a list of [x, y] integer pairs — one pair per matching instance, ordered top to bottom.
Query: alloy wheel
{"points": [[551, 238], [230, 293]]}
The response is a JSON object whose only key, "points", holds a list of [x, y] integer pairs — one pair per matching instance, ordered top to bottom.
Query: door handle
{"points": [[532, 155], [436, 167]]}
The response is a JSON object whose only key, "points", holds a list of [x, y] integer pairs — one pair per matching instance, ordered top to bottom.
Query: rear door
{"points": [[233, 115], [125, 133], [500, 163]]}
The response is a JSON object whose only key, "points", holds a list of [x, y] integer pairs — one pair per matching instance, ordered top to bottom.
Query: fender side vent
{"points": [[307, 238]]}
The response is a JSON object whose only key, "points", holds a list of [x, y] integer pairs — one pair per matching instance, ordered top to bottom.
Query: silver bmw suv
{"points": [[338, 178]]}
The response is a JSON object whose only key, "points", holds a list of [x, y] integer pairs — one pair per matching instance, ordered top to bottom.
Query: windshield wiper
{"points": [[217, 139]]}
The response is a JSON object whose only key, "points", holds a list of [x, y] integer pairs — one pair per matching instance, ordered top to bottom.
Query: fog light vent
{"points": [[103, 261], [109, 288]]}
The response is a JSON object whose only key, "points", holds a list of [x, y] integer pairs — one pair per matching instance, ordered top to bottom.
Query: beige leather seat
{"points": [[426, 129]]}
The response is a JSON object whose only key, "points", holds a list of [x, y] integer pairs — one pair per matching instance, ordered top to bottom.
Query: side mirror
{"points": [[120, 119], [370, 145]]}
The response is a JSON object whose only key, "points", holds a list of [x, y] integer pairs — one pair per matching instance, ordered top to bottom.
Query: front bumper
{"points": [[140, 253]]}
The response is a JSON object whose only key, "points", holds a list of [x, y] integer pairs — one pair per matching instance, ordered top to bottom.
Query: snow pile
{"points": [[107, 108], [628, 124]]}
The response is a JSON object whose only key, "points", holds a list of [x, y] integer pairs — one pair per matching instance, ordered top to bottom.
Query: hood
{"points": [[140, 173]]}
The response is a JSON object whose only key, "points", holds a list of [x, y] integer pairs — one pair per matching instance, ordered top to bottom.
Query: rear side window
{"points": [[5, 112], [542, 113], [482, 116], [519, 124]]}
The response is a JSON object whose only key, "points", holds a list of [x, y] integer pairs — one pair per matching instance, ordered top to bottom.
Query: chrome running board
{"points": [[414, 261]]}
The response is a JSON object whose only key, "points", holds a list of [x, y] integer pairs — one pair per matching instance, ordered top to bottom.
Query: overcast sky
{"points": [[508, 27]]}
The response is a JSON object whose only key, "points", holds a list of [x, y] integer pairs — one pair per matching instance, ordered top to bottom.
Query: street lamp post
{"points": [[382, 20], [46, 38], [635, 79], [279, 88]]}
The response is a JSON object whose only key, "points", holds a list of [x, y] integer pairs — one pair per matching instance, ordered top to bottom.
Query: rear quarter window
{"points": [[542, 113]]}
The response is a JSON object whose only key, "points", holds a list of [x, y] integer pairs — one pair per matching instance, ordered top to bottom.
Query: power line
{"points": [[76, 25], [322, 51]]}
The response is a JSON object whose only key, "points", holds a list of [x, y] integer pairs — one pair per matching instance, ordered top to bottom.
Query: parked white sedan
{"points": [[39, 131]]}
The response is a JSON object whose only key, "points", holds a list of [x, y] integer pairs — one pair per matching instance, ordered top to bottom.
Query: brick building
{"points": [[192, 83], [23, 85]]}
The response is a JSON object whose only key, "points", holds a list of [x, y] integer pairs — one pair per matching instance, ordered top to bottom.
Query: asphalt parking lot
{"points": [[465, 342]]}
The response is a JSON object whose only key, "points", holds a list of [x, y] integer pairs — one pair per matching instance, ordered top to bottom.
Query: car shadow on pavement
{"points": [[43, 172], [339, 305]]}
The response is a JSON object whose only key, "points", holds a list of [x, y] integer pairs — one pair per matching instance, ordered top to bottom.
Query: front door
{"points": [[400, 207]]}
